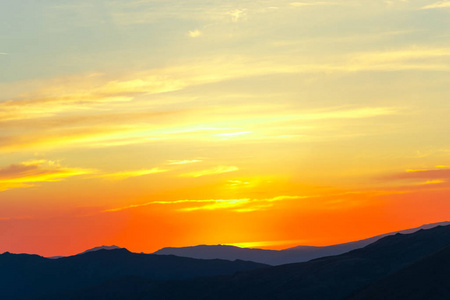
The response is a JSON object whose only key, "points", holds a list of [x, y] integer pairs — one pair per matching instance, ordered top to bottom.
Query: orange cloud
{"points": [[27, 174], [431, 174], [237, 205]]}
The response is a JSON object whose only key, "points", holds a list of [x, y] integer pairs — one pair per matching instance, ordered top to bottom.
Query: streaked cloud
{"points": [[314, 3], [440, 4], [238, 15], [403, 55], [358, 113], [231, 134], [183, 162], [212, 171], [30, 173], [437, 173], [128, 174], [420, 177], [433, 182], [237, 183], [163, 202], [237, 205]]}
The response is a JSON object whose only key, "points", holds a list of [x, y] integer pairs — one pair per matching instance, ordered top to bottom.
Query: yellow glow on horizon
{"points": [[266, 243]]}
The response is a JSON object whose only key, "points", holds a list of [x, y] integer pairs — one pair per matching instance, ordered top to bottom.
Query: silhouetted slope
{"points": [[113, 247], [223, 252], [274, 257], [31, 275], [333, 277], [428, 278], [122, 288]]}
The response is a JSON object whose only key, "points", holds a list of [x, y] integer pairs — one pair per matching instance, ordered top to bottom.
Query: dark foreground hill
{"points": [[279, 257], [24, 276], [336, 277], [428, 278]]}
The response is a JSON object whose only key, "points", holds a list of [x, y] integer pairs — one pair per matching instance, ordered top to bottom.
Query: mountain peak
{"points": [[112, 247]]}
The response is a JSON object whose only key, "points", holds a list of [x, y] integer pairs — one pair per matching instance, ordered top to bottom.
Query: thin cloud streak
{"points": [[302, 4], [441, 4], [59, 96], [183, 162], [213, 171], [30, 173], [127, 174], [431, 174], [213, 204]]}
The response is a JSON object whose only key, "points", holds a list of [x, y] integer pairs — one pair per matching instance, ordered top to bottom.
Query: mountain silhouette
{"points": [[113, 247], [280, 257], [26, 276], [335, 277], [427, 278]]}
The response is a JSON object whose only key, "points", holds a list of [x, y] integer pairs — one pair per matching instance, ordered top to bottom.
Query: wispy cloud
{"points": [[315, 3], [440, 4], [238, 15], [195, 33], [402, 55], [358, 113], [183, 162], [213, 171], [29, 173], [437, 173], [128, 174], [420, 178], [428, 182], [237, 205]]}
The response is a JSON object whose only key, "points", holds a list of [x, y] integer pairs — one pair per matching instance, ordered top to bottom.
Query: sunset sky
{"points": [[267, 123]]}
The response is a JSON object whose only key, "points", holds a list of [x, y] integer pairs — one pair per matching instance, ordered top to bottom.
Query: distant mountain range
{"points": [[274, 257], [403, 266]]}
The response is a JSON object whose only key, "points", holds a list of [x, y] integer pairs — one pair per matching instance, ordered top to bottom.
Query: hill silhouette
{"points": [[113, 247], [281, 257], [401, 266], [30, 276], [335, 277], [428, 278]]}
